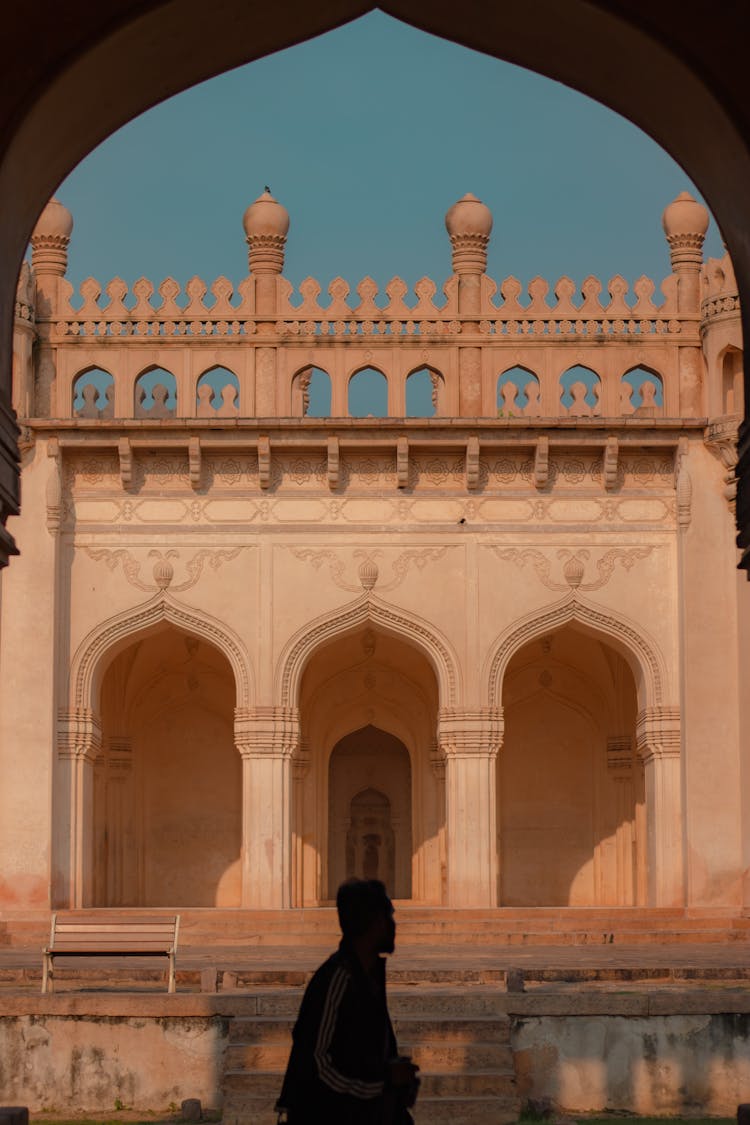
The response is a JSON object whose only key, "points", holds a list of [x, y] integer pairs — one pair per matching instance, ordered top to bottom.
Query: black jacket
{"points": [[340, 1044]]}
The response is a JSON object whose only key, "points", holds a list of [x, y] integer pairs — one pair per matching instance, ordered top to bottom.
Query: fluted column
{"points": [[267, 738], [79, 739], [470, 741], [658, 742]]}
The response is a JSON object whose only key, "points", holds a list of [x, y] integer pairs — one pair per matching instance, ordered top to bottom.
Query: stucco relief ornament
{"points": [[575, 565], [163, 570], [368, 572]]}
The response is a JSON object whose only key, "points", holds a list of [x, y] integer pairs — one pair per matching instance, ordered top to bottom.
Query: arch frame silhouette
{"points": [[367, 610], [103, 643], [641, 651]]}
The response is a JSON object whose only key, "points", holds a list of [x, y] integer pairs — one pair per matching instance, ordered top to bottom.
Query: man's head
{"points": [[366, 913]]}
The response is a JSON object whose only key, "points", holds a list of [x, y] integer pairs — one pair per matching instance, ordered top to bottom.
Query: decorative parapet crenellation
{"points": [[507, 310]]}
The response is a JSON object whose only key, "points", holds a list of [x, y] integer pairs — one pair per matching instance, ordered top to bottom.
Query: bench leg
{"points": [[48, 975], [171, 987]]}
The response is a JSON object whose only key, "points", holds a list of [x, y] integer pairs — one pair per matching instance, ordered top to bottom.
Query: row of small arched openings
{"points": [[218, 393]]}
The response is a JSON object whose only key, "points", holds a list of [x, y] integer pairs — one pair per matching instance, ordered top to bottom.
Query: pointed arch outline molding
{"points": [[161, 608], [366, 610], [618, 629]]}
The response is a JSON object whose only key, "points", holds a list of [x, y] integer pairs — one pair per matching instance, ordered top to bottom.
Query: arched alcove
{"points": [[732, 381], [368, 707], [167, 784], [570, 787], [369, 811]]}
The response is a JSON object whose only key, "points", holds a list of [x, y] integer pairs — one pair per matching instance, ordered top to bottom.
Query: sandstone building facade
{"points": [[484, 641]]}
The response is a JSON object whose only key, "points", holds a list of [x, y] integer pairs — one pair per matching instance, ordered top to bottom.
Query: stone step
{"points": [[445, 1030], [429, 1057], [475, 1083], [249, 1110]]}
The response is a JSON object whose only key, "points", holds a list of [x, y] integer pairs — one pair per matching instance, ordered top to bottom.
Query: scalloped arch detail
{"points": [[161, 608], [366, 610], [618, 629]]}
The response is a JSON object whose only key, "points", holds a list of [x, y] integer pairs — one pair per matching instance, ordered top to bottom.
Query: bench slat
{"points": [[147, 931], [111, 951]]}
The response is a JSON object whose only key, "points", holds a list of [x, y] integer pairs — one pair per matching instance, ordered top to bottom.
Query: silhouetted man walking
{"points": [[343, 1068]]}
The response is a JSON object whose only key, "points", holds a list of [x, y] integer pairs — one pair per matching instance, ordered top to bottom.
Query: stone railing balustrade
{"points": [[558, 311]]}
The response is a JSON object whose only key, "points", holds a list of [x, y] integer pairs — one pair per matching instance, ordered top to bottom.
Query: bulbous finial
{"points": [[685, 223], [266, 225], [469, 225], [50, 239]]}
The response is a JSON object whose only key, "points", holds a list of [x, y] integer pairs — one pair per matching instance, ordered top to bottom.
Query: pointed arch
{"points": [[367, 610], [103, 643], [641, 651]]}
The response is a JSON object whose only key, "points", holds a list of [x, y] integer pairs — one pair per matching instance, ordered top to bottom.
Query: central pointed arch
{"points": [[367, 609]]}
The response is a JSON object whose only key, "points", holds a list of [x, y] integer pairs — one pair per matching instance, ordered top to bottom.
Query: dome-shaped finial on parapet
{"points": [[685, 223], [266, 225], [469, 225], [50, 240]]}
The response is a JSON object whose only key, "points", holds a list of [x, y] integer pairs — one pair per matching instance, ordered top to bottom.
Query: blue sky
{"points": [[367, 135]]}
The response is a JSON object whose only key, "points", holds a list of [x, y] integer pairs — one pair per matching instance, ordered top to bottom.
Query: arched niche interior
{"points": [[731, 381], [368, 707], [168, 783], [570, 787], [369, 811]]}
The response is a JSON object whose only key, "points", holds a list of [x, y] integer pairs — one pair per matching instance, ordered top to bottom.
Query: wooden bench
{"points": [[109, 935]]}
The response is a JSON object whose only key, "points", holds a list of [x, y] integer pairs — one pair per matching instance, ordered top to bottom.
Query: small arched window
{"points": [[580, 389], [423, 390], [642, 392], [311, 393], [517, 393], [94, 394], [155, 394], [218, 394], [368, 394]]}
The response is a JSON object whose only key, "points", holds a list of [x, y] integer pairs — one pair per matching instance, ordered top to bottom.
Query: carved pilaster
{"points": [[54, 487], [79, 734], [658, 743]]}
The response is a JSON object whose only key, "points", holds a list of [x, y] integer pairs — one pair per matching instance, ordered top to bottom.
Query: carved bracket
{"points": [[125, 453], [611, 456], [194, 461], [264, 462], [402, 462], [472, 462], [541, 462], [334, 463], [268, 732], [657, 732], [465, 733], [79, 734]]}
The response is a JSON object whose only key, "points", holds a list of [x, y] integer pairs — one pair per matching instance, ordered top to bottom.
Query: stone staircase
{"points": [[426, 926], [460, 1038]]}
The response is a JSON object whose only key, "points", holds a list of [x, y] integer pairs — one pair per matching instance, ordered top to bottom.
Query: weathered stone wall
{"points": [[653, 1065]]}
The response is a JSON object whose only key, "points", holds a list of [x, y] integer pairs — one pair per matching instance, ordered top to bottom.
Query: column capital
{"points": [[267, 731], [464, 733], [657, 733], [79, 734]]}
